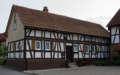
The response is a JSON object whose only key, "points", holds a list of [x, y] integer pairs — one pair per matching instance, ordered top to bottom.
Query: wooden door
{"points": [[69, 53]]}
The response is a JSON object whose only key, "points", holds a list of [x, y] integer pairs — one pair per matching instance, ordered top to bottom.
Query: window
{"points": [[15, 26], [86, 38], [93, 39], [37, 45], [47, 45], [11, 46], [17, 46], [75, 47], [86, 48], [93, 49]]}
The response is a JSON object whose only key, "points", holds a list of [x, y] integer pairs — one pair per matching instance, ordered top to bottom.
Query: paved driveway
{"points": [[86, 70], [11, 71]]}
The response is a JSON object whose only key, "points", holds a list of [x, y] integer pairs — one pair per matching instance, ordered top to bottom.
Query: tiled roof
{"points": [[37, 18], [115, 20], [2, 37], [117, 48]]}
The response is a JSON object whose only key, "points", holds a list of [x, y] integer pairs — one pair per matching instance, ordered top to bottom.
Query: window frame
{"points": [[15, 24], [39, 45], [49, 45], [11, 46], [17, 46], [76, 46], [88, 48], [94, 48]]}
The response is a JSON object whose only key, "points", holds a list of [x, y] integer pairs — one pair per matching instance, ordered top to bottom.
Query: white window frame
{"points": [[15, 25], [40, 45], [49, 45], [11, 46], [17, 46], [74, 48], [88, 48], [94, 49]]}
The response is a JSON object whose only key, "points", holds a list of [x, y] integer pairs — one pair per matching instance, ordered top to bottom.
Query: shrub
{"points": [[116, 58], [80, 59], [67, 60], [117, 62], [96, 63], [102, 63]]}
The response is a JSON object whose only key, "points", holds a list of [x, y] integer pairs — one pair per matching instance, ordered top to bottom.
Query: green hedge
{"points": [[116, 58], [2, 61], [117, 62], [96, 63], [102, 63]]}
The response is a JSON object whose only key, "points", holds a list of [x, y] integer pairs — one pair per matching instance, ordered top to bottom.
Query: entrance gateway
{"points": [[69, 53]]}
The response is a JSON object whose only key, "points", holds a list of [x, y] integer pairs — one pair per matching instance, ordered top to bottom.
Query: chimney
{"points": [[45, 9]]}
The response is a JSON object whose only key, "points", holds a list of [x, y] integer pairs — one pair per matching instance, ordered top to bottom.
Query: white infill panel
{"points": [[32, 33], [38, 33], [47, 34], [74, 36], [116, 39], [69, 44], [17, 54], [37, 54], [11, 55], [28, 55], [47, 55], [55, 55], [59, 55], [75, 55], [80, 55], [86, 56]]}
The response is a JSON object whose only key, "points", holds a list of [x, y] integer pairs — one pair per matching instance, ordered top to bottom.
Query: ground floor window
{"points": [[37, 45], [47, 45], [75, 47], [87, 48], [93, 49]]}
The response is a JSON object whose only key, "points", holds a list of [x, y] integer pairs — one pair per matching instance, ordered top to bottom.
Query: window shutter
{"points": [[33, 44], [19, 45], [14, 46], [52, 46], [84, 49], [96, 49]]}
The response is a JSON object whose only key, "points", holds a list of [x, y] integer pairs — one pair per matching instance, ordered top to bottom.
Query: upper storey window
{"points": [[14, 25], [86, 38], [93, 39]]}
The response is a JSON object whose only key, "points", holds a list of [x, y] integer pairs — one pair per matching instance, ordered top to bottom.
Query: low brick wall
{"points": [[17, 63], [36, 64]]}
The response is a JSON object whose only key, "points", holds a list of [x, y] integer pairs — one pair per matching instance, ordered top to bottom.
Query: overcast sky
{"points": [[97, 11]]}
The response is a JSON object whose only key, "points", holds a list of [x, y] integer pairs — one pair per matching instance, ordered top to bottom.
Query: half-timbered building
{"points": [[114, 28], [40, 39]]}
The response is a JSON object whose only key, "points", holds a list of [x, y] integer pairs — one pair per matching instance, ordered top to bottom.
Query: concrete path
{"points": [[85, 70], [11, 71]]}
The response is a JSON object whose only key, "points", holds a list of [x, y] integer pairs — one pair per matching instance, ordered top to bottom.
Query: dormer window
{"points": [[14, 26]]}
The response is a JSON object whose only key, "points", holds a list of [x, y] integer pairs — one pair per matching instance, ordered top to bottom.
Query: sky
{"points": [[96, 11]]}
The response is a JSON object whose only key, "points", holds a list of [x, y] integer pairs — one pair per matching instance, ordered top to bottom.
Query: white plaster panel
{"points": [[113, 29], [27, 31], [32, 33], [38, 33], [47, 34], [52, 36], [74, 36], [112, 38], [117, 39], [69, 44], [22, 45], [56, 45], [27, 46], [62, 46], [89, 47], [102, 48], [17, 54], [22, 54], [9, 55], [12, 55], [28, 55], [47, 55], [55, 55], [59, 55], [75, 55], [80, 55], [98, 55], [102, 55], [86, 56], [93, 56]]}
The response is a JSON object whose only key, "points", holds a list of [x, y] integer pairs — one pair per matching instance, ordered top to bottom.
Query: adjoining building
{"points": [[114, 28], [3, 40], [41, 40]]}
